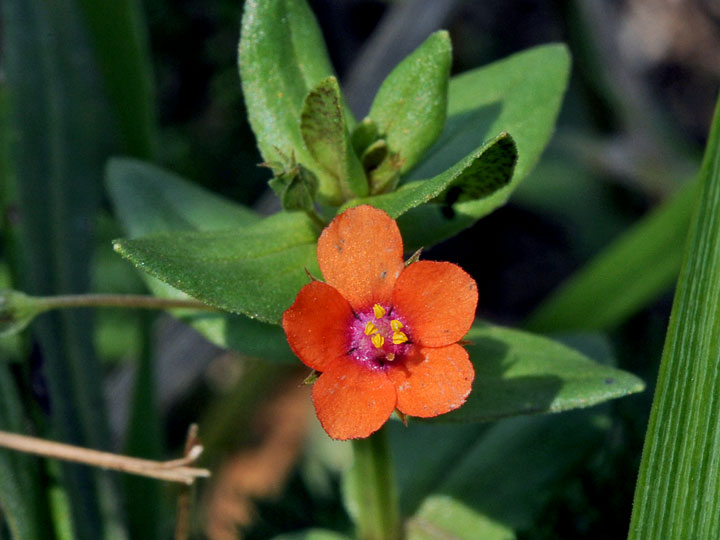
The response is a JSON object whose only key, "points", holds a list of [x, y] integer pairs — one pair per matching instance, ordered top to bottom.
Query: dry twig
{"points": [[177, 470], [182, 523]]}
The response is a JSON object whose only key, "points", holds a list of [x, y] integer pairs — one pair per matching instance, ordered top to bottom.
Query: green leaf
{"points": [[122, 53], [282, 57], [521, 95], [410, 107], [323, 128], [61, 136], [486, 170], [296, 187], [149, 200], [256, 271], [627, 275], [520, 373], [497, 477], [21, 493], [677, 493], [144, 507], [443, 517], [312, 534]]}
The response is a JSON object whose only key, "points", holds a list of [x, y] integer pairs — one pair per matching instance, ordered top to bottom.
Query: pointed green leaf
{"points": [[282, 57], [521, 95], [410, 106], [323, 128], [364, 134], [479, 174], [296, 187], [149, 200], [256, 270], [521, 373], [678, 491]]}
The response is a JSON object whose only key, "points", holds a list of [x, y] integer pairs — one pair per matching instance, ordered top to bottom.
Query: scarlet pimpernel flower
{"points": [[383, 335]]}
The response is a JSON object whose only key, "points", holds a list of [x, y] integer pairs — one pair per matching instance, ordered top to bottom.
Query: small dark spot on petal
{"points": [[338, 247], [383, 274]]}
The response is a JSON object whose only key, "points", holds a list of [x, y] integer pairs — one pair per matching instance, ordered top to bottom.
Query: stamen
{"points": [[379, 311], [396, 325], [370, 329], [398, 338], [377, 340], [390, 357]]}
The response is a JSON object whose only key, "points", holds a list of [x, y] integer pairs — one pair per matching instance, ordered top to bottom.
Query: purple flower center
{"points": [[378, 336]]}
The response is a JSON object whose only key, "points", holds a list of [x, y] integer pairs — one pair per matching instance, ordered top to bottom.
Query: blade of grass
{"points": [[121, 51], [60, 139], [632, 271], [678, 489], [21, 497], [146, 513]]}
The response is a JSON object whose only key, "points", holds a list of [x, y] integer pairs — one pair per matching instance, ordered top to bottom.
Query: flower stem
{"points": [[46, 303], [372, 485]]}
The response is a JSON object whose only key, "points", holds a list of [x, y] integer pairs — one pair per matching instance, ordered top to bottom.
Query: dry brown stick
{"points": [[171, 471], [182, 523]]}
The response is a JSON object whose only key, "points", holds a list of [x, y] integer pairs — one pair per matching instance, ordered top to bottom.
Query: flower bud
{"points": [[17, 310]]}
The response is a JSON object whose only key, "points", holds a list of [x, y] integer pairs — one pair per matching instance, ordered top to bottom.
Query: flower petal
{"points": [[361, 254], [438, 300], [317, 325], [432, 381], [353, 400]]}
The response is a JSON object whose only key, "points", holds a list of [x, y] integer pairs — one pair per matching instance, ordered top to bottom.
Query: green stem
{"points": [[117, 300], [372, 479]]}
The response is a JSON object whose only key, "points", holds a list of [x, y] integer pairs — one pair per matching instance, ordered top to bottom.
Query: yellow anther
{"points": [[379, 311], [396, 325], [370, 329], [399, 337], [377, 340]]}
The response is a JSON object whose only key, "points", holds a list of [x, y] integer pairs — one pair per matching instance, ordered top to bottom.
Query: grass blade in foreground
{"points": [[60, 140], [632, 271], [678, 491]]}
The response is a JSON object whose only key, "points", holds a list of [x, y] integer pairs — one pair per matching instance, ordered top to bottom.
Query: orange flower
{"points": [[383, 335]]}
